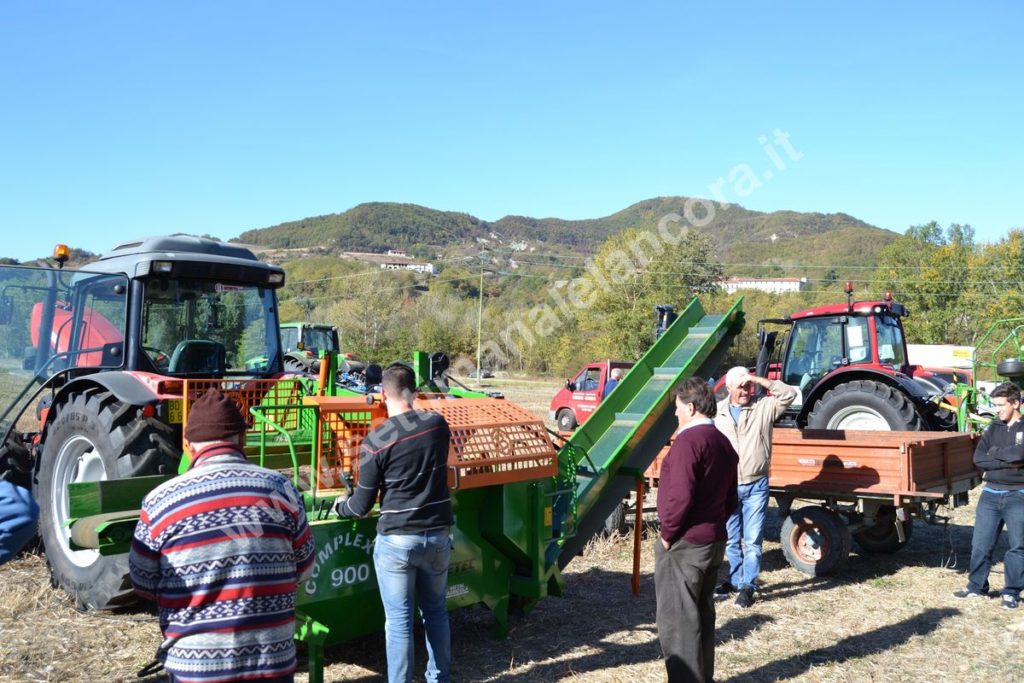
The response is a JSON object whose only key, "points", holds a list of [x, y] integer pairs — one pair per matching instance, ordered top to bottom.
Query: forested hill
{"points": [[739, 235]]}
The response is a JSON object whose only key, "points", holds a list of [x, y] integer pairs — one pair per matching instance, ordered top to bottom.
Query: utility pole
{"points": [[480, 324]]}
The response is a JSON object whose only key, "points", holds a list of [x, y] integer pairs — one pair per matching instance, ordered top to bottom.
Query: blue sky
{"points": [[120, 120]]}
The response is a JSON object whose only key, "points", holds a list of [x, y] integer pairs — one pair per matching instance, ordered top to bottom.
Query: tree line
{"points": [[955, 288]]}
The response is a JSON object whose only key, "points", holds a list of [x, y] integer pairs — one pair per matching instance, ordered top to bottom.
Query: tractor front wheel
{"points": [[865, 404], [94, 437]]}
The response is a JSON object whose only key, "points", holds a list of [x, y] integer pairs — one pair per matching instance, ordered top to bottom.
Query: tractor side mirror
{"points": [[6, 309], [766, 345]]}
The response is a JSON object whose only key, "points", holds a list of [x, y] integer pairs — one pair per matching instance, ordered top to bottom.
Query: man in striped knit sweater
{"points": [[221, 549]]}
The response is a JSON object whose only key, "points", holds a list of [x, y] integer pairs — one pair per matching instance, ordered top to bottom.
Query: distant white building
{"points": [[393, 260], [409, 265], [772, 285]]}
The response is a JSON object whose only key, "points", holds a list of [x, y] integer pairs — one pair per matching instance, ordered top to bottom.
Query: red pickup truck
{"points": [[582, 394]]}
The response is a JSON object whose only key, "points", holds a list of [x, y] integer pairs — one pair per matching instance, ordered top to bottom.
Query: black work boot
{"points": [[724, 590], [746, 598]]}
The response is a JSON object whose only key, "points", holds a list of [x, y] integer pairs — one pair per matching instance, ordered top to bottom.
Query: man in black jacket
{"points": [[1000, 453], [405, 459]]}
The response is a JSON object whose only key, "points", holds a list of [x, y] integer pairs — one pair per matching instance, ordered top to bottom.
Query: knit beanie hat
{"points": [[213, 417]]}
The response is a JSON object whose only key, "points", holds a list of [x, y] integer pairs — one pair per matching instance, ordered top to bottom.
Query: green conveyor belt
{"points": [[634, 422]]}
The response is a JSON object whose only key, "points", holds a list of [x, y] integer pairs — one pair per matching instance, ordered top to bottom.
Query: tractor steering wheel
{"points": [[160, 359]]}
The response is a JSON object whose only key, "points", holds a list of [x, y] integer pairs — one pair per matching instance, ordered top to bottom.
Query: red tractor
{"points": [[849, 362], [93, 364]]}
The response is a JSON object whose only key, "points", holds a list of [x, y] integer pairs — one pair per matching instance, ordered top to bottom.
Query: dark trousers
{"points": [[994, 510], [684, 583]]}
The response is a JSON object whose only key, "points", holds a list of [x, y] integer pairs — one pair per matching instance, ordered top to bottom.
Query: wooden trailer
{"points": [[837, 487]]}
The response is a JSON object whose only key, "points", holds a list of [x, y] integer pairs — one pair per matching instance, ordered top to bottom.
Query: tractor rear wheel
{"points": [[294, 365], [865, 404], [94, 437]]}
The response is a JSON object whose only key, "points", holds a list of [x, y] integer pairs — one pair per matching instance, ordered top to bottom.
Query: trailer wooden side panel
{"points": [[861, 462], [949, 467]]}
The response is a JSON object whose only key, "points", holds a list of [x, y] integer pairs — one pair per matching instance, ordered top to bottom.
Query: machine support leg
{"points": [[638, 524], [500, 610], [314, 634]]}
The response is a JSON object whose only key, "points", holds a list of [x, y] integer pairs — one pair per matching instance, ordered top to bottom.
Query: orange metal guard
{"points": [[493, 441]]}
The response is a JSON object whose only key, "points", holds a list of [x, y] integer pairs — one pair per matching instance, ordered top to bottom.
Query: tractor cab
{"points": [[308, 337], [822, 340], [849, 363], [96, 365]]}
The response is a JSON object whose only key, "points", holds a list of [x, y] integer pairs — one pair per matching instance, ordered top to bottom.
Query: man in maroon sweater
{"points": [[696, 495]]}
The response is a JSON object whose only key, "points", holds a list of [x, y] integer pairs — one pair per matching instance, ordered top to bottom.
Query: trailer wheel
{"points": [[865, 404], [566, 420], [94, 437], [616, 521], [882, 537], [815, 541]]}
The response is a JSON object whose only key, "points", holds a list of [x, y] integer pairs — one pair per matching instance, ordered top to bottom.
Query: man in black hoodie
{"points": [[1000, 453], [405, 461]]}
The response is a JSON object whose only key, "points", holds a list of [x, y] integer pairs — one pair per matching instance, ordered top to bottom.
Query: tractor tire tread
{"points": [[906, 412], [138, 445]]}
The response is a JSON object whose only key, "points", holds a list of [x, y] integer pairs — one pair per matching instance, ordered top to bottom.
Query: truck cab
{"points": [[582, 393]]}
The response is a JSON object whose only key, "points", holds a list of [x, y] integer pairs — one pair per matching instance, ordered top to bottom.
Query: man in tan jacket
{"points": [[748, 421]]}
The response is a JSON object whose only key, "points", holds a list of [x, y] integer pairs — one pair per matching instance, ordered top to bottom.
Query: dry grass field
{"points": [[885, 618]]}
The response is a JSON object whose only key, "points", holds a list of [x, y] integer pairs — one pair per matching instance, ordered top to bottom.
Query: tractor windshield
{"points": [[51, 322], [193, 327], [289, 339], [319, 339], [813, 343], [818, 346]]}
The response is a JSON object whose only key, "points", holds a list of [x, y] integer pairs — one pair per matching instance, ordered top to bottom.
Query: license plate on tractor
{"points": [[175, 411]]}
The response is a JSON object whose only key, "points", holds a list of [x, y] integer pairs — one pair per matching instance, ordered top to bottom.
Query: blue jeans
{"points": [[996, 508], [746, 525], [413, 568]]}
